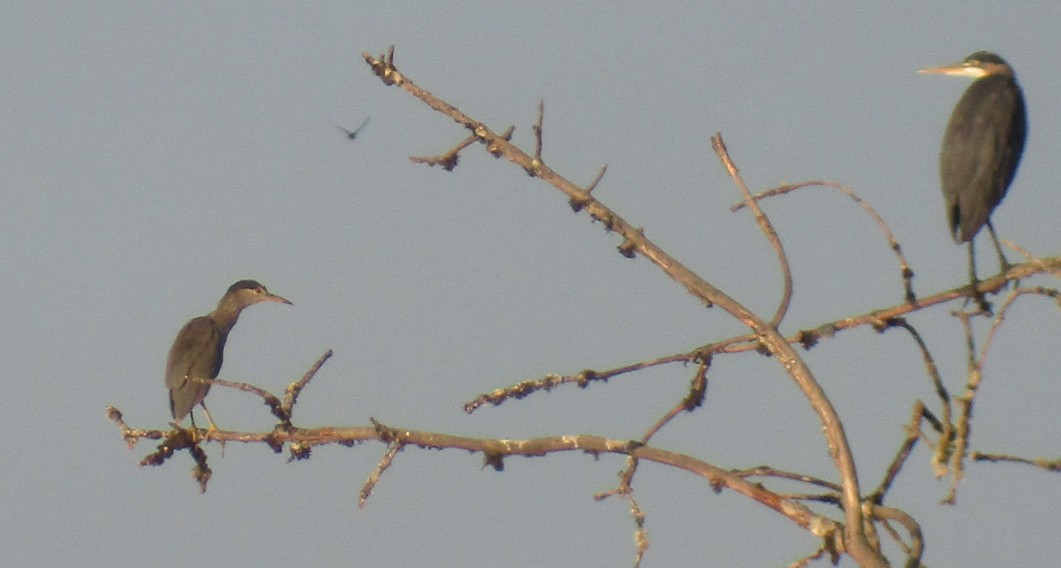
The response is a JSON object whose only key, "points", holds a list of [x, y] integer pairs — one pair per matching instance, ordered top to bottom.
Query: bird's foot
{"points": [[1005, 268], [977, 296], [193, 432], [213, 432], [197, 435]]}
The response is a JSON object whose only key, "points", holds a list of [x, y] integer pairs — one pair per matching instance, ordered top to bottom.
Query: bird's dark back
{"points": [[981, 150]]}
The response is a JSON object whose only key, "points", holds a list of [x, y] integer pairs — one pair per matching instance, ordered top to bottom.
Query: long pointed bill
{"points": [[957, 70], [270, 297]]}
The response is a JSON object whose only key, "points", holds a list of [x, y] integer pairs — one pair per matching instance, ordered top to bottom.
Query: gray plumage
{"points": [[983, 142], [198, 351]]}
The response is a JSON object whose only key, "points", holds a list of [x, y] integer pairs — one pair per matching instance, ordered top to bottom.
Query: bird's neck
{"points": [[226, 315]]}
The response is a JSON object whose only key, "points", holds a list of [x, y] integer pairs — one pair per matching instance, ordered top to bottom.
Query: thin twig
{"points": [[538, 131], [447, 160], [596, 180], [577, 206], [765, 226], [893, 243], [1034, 259], [879, 319], [996, 322], [810, 336], [582, 379], [295, 388], [270, 400], [692, 401], [965, 409], [913, 433], [943, 446], [383, 465], [1053, 465], [767, 471], [640, 534], [917, 542], [817, 554]]}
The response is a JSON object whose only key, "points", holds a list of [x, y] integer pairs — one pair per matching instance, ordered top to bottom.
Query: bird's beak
{"points": [[956, 69], [270, 297]]}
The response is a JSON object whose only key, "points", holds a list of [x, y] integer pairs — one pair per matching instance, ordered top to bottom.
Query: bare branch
{"points": [[538, 131], [447, 160], [597, 179], [577, 206], [765, 226], [1034, 259], [904, 267], [582, 379], [295, 388], [268, 398], [692, 401], [965, 410], [913, 433], [944, 445], [495, 449], [384, 464], [1053, 465], [767, 471], [640, 535], [855, 541], [917, 543]]}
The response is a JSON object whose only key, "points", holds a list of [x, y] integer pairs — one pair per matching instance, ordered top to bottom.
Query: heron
{"points": [[981, 150], [199, 348]]}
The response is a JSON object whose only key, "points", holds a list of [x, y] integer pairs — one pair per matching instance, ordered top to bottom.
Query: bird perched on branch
{"points": [[982, 147], [199, 349]]}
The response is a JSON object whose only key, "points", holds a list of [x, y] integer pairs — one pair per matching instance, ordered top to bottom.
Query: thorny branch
{"points": [[879, 319], [493, 450], [855, 541]]}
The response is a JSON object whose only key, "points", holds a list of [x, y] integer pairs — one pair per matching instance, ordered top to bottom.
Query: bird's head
{"points": [[976, 65], [249, 292]]}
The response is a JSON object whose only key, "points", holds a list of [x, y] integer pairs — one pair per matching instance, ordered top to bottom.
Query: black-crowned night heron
{"points": [[199, 349]]}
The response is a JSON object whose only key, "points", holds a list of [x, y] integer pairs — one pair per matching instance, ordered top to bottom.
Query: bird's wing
{"points": [[352, 134], [196, 342]]}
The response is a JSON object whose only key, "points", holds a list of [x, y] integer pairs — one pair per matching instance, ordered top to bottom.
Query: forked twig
{"points": [[765, 226], [893, 243]]}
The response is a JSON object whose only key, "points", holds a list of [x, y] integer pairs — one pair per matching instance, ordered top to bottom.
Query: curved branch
{"points": [[764, 225], [893, 243], [917, 542]]}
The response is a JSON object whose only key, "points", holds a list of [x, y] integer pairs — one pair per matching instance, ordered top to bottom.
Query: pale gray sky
{"points": [[152, 155]]}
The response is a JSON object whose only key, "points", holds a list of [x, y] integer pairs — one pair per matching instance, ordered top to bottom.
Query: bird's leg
{"points": [[1003, 263], [974, 282], [213, 427], [193, 430]]}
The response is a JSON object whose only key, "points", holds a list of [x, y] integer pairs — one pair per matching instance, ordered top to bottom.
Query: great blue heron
{"points": [[981, 148]]}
